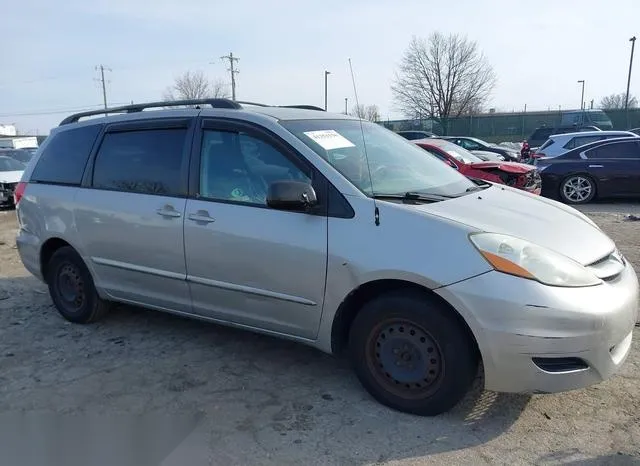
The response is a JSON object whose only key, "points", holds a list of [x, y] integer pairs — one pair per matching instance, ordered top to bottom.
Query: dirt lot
{"points": [[258, 400]]}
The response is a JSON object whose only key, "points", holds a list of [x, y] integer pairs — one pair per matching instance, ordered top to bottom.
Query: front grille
{"points": [[560, 364]]}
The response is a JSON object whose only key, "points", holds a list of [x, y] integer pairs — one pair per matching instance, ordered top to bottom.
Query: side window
{"points": [[581, 141], [549, 143], [469, 145], [624, 150], [65, 156], [147, 161], [239, 167]]}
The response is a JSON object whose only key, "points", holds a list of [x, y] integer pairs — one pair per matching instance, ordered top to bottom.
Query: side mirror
{"points": [[291, 195]]}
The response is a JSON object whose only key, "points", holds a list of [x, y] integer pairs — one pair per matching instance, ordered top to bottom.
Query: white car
{"points": [[558, 144], [10, 174]]}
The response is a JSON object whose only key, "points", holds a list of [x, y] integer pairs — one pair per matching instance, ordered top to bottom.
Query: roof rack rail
{"points": [[252, 103], [304, 107], [134, 108]]}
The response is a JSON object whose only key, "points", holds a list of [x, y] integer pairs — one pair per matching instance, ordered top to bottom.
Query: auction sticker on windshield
{"points": [[329, 139]]}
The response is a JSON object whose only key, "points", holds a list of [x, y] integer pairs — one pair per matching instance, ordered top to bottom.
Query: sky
{"points": [[538, 50]]}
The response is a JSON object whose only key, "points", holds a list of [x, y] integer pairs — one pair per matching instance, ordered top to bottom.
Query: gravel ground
{"points": [[259, 400]]}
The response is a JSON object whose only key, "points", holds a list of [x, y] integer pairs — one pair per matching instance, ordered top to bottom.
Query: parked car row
{"points": [[573, 167], [514, 174]]}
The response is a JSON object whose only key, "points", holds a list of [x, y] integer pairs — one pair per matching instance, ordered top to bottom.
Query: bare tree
{"points": [[442, 77], [194, 85], [617, 101], [368, 112]]}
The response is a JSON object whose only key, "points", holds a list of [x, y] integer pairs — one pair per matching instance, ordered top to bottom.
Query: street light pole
{"points": [[326, 73], [582, 95], [626, 102]]}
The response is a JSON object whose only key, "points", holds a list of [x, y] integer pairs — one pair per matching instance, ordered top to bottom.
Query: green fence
{"points": [[499, 127]]}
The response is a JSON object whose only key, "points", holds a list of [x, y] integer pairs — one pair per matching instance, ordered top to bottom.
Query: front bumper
{"points": [[515, 320]]}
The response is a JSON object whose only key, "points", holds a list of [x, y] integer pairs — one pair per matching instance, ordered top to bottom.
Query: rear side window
{"points": [[581, 141], [548, 143], [622, 150], [65, 156], [148, 161]]}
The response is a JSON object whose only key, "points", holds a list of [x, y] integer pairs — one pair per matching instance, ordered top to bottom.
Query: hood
{"points": [[509, 167], [11, 177], [542, 221]]}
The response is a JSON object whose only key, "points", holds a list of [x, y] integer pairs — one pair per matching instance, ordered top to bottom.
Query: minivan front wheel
{"points": [[71, 287], [412, 354]]}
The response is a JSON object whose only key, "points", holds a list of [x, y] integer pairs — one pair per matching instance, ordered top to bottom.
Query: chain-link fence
{"points": [[499, 127]]}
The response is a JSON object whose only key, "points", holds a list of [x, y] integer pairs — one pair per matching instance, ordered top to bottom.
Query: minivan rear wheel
{"points": [[72, 289], [412, 353]]}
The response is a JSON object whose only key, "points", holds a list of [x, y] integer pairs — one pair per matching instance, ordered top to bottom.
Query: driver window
{"points": [[238, 167]]}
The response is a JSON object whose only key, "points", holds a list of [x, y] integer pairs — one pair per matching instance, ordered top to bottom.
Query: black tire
{"points": [[572, 184], [72, 289], [412, 353]]}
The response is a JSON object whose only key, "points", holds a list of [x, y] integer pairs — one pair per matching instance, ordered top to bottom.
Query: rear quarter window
{"points": [[548, 143], [64, 158]]}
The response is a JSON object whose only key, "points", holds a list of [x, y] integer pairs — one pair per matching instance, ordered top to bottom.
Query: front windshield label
{"points": [[329, 139]]}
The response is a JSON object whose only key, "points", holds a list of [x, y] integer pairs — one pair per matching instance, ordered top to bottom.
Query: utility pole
{"points": [[233, 72], [326, 73], [102, 81], [582, 96], [346, 100], [626, 102]]}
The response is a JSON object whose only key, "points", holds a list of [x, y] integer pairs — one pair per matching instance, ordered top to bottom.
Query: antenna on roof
{"points": [[376, 212]]}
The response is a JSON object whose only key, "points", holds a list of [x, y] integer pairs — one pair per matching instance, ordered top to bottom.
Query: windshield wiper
{"points": [[411, 196]]}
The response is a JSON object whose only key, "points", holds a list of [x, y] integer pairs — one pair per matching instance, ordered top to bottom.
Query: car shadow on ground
{"points": [[259, 395]]}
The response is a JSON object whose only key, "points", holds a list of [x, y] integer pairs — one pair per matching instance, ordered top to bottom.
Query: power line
{"points": [[233, 72]]}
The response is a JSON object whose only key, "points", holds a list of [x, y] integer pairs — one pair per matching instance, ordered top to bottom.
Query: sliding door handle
{"points": [[202, 216]]}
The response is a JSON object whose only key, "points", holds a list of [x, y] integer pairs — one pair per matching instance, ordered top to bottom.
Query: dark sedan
{"points": [[474, 144], [608, 168]]}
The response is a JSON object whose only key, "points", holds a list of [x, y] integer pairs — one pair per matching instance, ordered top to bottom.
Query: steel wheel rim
{"points": [[577, 188], [70, 287], [405, 359]]}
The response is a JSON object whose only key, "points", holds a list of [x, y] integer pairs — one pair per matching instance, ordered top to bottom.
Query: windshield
{"points": [[598, 116], [459, 153], [21, 155], [7, 164], [397, 166]]}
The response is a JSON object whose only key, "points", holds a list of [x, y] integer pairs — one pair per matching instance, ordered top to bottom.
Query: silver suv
{"points": [[332, 232]]}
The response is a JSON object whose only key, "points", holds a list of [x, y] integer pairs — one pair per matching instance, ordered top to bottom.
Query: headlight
{"points": [[518, 257]]}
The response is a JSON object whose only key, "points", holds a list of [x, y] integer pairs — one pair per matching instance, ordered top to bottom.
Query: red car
{"points": [[517, 175]]}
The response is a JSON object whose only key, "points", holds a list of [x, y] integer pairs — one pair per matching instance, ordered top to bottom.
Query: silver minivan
{"points": [[330, 231]]}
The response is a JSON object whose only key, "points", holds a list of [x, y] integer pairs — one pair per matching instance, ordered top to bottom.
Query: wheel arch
{"points": [[48, 248], [355, 301]]}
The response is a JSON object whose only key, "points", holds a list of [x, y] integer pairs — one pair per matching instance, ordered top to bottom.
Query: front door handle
{"points": [[595, 166], [168, 211], [201, 216]]}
